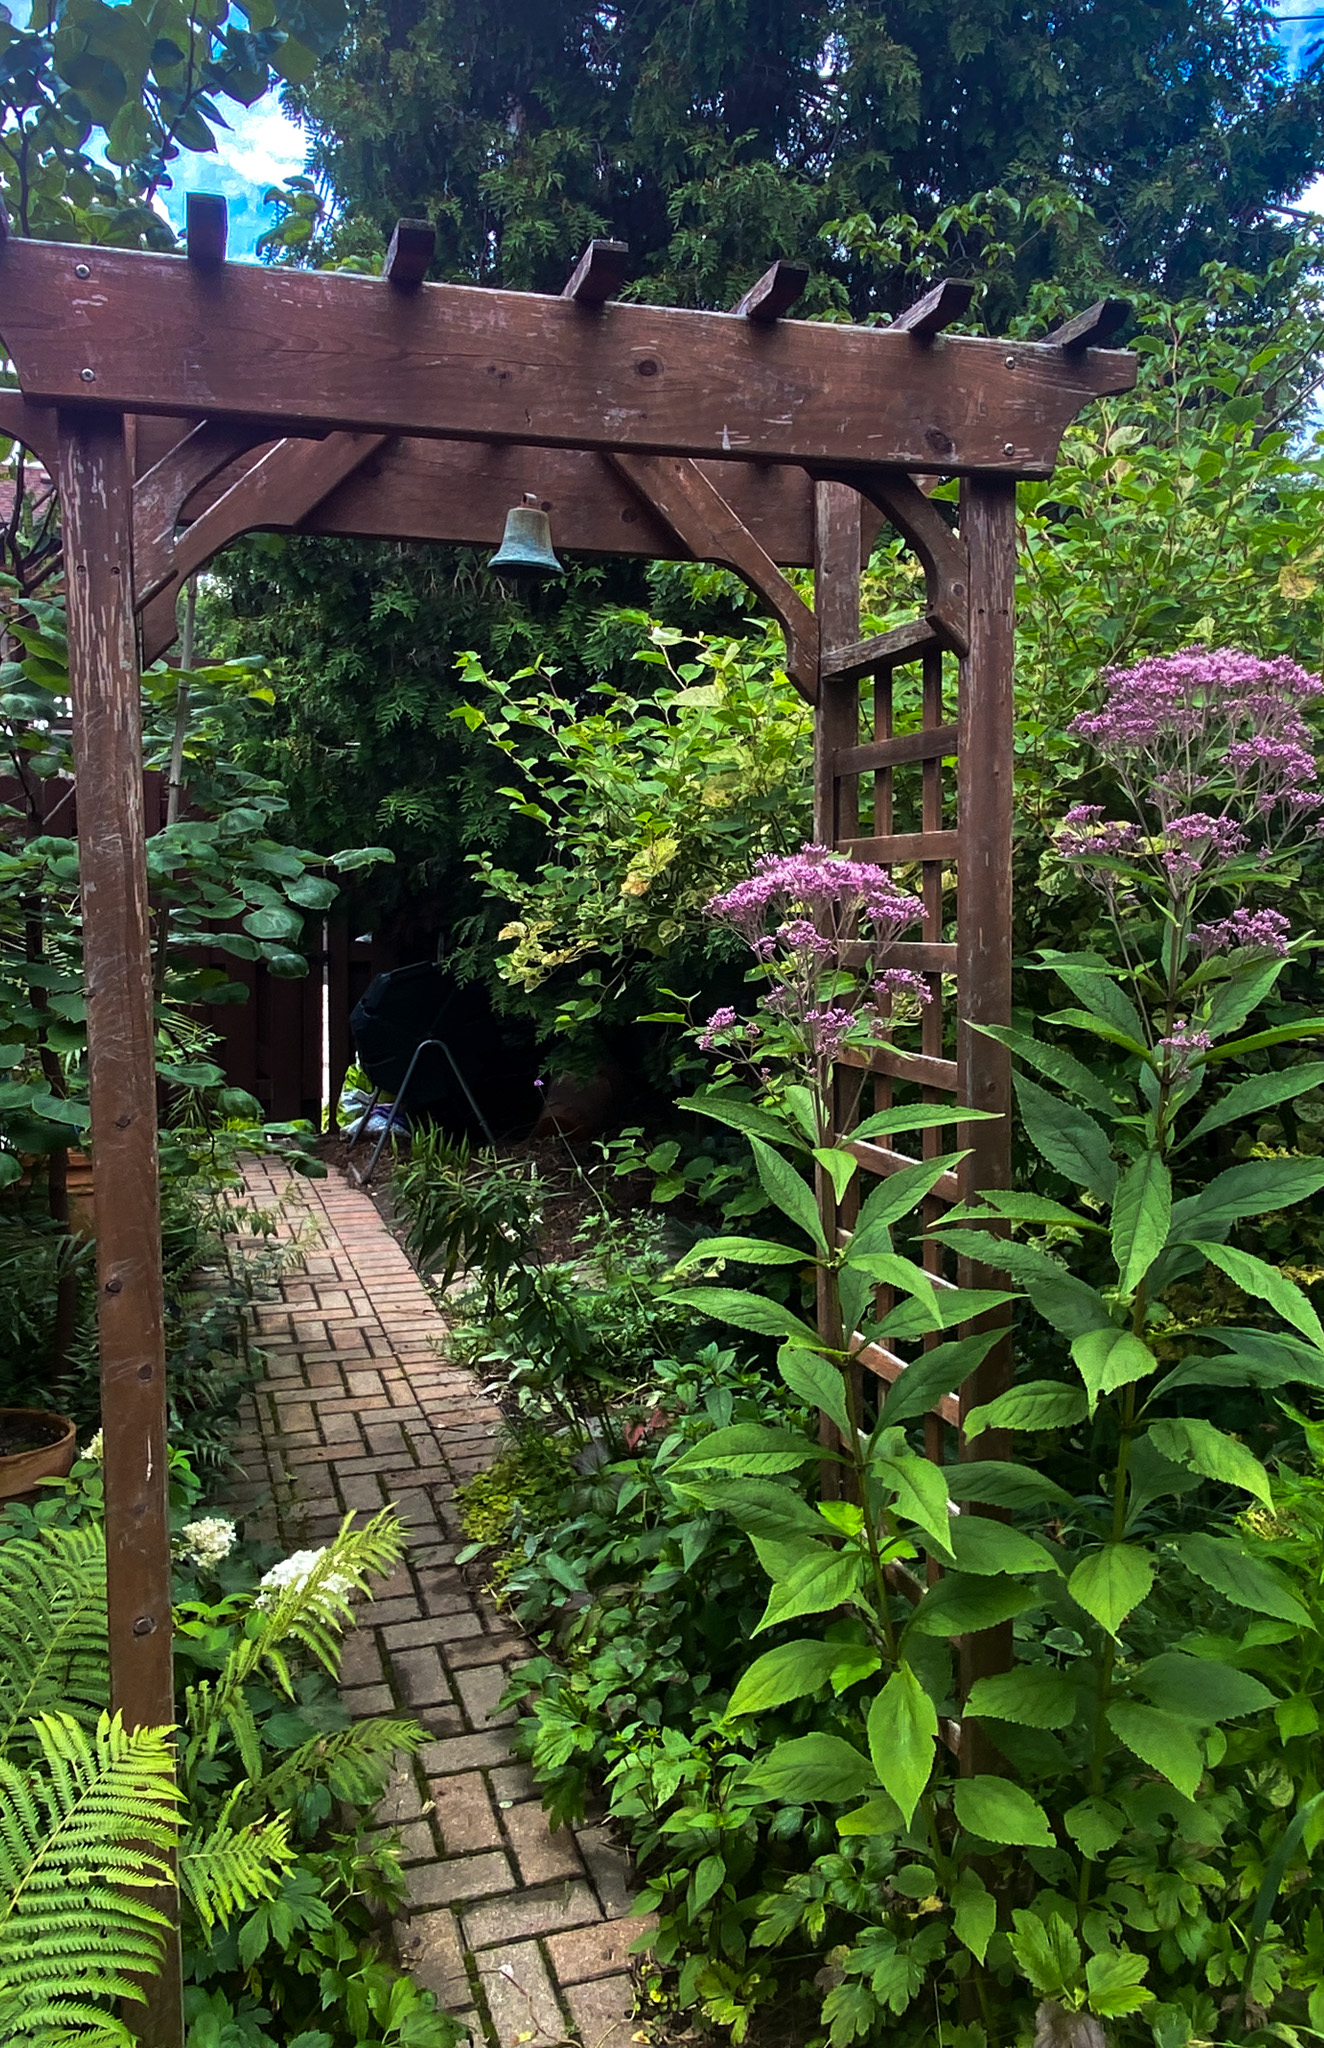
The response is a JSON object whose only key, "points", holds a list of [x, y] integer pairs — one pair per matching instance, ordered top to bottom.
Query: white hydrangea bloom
{"points": [[94, 1449], [208, 1541], [293, 1571]]}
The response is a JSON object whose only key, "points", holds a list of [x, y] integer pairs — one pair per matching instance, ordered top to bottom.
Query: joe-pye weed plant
{"points": [[1135, 1871]]}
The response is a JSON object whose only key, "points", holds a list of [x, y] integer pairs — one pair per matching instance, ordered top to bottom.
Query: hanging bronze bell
{"points": [[526, 545]]}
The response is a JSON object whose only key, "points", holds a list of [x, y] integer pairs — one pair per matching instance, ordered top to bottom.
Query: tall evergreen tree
{"points": [[712, 135]]}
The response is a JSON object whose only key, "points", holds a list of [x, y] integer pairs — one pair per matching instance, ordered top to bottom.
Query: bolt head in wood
{"points": [[82, 270], [88, 376]]}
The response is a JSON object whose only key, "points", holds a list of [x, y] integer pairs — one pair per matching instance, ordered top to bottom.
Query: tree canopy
{"points": [[717, 134]]}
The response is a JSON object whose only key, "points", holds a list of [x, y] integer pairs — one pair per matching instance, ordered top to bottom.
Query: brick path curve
{"points": [[518, 1930]]}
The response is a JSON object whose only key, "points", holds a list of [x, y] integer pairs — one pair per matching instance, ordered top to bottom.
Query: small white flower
{"points": [[94, 1449], [208, 1541], [293, 1571]]}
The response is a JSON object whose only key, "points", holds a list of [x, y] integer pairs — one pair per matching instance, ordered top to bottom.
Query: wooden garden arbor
{"points": [[181, 402]]}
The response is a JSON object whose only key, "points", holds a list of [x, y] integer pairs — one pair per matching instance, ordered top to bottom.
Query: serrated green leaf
{"points": [[1058, 1064], [1249, 1098], [927, 1116], [743, 1117], [1067, 1138], [839, 1165], [784, 1188], [1246, 1190], [894, 1198], [1142, 1216], [748, 1251], [1258, 1278], [746, 1312], [1109, 1359], [933, 1374], [812, 1379], [1040, 1404], [747, 1447], [1204, 1449], [995, 1483], [920, 1494], [984, 1547], [1112, 1582], [1251, 1582], [813, 1586], [959, 1606], [794, 1671], [1200, 1689], [1031, 1696], [903, 1726], [1162, 1741], [812, 1768], [995, 1810], [878, 1816], [1095, 1825], [974, 1914], [1114, 1980]]}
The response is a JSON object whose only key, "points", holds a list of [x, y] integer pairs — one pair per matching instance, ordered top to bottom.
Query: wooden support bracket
{"points": [[207, 226], [411, 250], [599, 274], [774, 293], [948, 301], [1093, 328], [36, 426], [280, 487], [160, 495], [697, 512], [943, 553], [902, 643]]}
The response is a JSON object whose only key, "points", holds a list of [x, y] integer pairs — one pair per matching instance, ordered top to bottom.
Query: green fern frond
{"points": [[311, 1613], [52, 1628], [354, 1764], [82, 1836], [231, 1869], [69, 2026]]}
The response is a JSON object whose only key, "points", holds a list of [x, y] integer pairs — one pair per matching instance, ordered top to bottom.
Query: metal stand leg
{"points": [[423, 1045]]}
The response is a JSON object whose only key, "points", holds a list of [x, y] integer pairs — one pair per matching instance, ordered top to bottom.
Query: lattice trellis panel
{"points": [[913, 772]]}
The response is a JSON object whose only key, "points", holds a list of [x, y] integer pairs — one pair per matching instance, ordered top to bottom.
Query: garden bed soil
{"points": [[20, 1433]]}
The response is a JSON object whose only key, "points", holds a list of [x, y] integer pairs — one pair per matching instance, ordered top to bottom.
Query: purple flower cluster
{"points": [[1179, 726], [1085, 833], [1190, 844], [814, 887], [1263, 931], [895, 981], [721, 1020], [1181, 1046]]}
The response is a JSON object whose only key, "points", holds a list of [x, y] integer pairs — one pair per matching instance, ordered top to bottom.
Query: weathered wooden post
{"points": [[96, 500]]}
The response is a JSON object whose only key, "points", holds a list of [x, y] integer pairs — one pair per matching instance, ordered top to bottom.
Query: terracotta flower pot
{"points": [[82, 1203], [20, 1470]]}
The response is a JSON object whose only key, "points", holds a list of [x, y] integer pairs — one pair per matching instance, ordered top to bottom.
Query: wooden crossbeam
{"points": [[207, 227], [409, 254], [599, 274], [774, 293], [948, 301], [1094, 328], [147, 333], [902, 643], [937, 743], [893, 849], [921, 1068], [881, 1159], [886, 1365]]}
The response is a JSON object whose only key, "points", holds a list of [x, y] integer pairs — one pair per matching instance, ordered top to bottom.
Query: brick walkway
{"points": [[518, 1930]]}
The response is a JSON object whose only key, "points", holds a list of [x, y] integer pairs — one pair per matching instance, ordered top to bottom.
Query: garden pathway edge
{"points": [[520, 1931]]}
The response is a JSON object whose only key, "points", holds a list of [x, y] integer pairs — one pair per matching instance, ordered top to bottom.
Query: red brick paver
{"points": [[520, 1931]]}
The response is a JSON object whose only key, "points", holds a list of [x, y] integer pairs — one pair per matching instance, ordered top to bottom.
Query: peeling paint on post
{"points": [[95, 507]]}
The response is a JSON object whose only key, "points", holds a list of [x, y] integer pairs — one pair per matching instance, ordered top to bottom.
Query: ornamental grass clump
{"points": [[1120, 1864]]}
